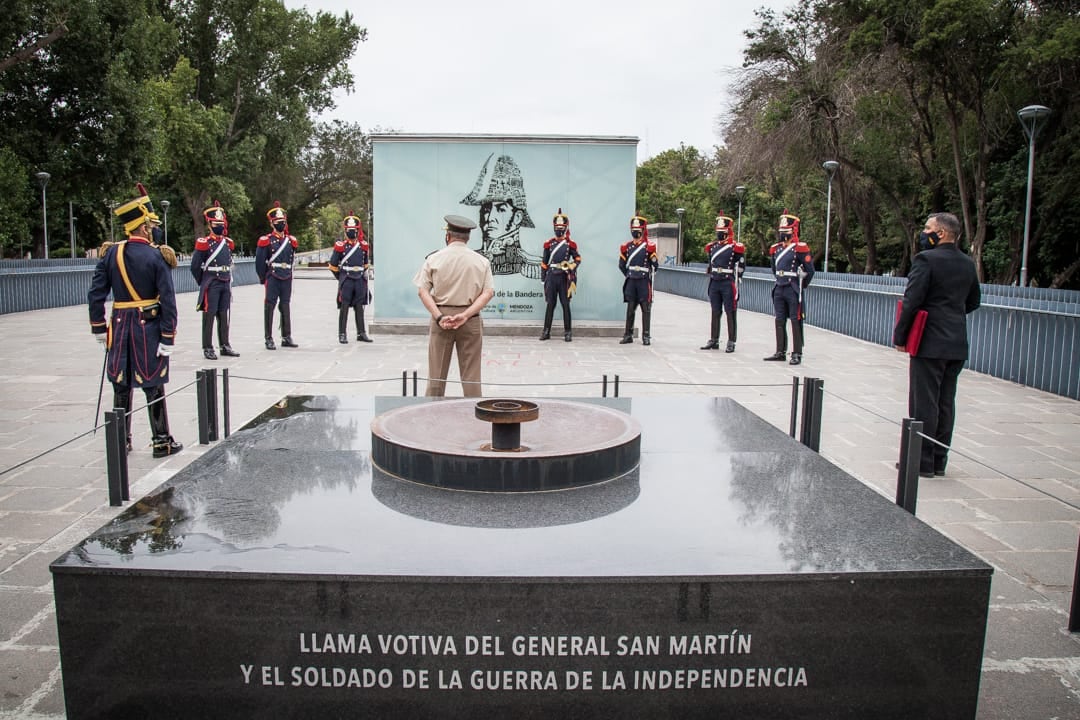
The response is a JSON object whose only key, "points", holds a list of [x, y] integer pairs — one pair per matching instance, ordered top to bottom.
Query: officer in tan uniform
{"points": [[455, 283]]}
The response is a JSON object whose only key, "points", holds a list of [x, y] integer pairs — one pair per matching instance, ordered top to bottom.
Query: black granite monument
{"points": [[730, 573]]}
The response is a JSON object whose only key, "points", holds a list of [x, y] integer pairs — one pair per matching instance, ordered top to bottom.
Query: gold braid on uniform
{"points": [[105, 247], [168, 253]]}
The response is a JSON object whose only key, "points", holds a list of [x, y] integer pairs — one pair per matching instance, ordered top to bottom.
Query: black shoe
{"points": [[545, 334], [363, 337], [567, 337], [343, 339], [626, 339], [646, 340], [287, 342], [270, 344], [711, 345], [730, 346], [227, 351], [209, 353], [781, 356], [796, 358], [165, 446], [129, 448], [925, 474]]}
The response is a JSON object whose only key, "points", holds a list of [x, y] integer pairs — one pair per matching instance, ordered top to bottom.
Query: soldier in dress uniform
{"points": [[274, 256], [637, 263], [351, 265], [211, 266], [793, 266], [725, 269], [558, 271], [139, 338]]}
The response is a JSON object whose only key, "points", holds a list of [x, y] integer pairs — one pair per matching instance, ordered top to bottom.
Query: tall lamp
{"points": [[1029, 118], [831, 166], [43, 178], [740, 190], [165, 206], [678, 250]]}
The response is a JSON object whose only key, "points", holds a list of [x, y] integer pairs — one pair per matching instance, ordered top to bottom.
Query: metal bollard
{"points": [[404, 383], [414, 384], [616, 386], [603, 390], [813, 396], [225, 398], [202, 403], [794, 404], [114, 426], [120, 438], [907, 476], [1074, 612]]}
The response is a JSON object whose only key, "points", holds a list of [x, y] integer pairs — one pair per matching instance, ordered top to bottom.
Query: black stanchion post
{"points": [[404, 383], [414, 383], [616, 386], [603, 391], [813, 392], [211, 396], [225, 398], [794, 404], [203, 406], [121, 451], [112, 459], [907, 477], [1074, 612]]}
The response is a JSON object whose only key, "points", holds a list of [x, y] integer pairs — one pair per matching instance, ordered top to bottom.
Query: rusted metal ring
{"points": [[507, 411]]}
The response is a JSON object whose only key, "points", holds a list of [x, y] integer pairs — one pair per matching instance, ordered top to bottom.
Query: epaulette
{"points": [[264, 241], [294, 241], [202, 243], [231, 244], [339, 246], [739, 246], [105, 247], [801, 247], [168, 253]]}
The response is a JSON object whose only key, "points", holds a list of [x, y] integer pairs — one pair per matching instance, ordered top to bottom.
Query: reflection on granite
{"points": [[718, 492]]}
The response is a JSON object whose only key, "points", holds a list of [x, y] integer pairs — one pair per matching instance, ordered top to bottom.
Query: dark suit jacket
{"points": [[943, 282]]}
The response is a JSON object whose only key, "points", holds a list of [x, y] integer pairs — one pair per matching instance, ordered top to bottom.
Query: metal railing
{"points": [[1025, 335]]}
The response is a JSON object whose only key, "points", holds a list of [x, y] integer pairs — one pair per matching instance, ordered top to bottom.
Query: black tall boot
{"points": [[549, 315], [646, 323], [343, 324], [268, 326], [286, 326], [628, 332], [731, 332], [361, 333], [714, 333], [223, 334], [208, 336], [567, 336], [781, 341], [796, 342], [122, 399], [159, 423]]}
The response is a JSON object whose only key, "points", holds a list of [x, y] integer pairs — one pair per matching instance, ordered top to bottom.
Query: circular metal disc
{"points": [[443, 444]]}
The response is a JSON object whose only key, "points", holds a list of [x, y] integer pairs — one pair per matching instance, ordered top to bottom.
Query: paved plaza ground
{"points": [[1011, 495]]}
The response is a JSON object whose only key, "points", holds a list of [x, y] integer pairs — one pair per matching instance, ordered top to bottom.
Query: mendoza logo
{"points": [[521, 308]]}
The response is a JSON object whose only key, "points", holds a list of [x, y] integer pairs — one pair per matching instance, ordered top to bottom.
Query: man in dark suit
{"points": [[944, 283]]}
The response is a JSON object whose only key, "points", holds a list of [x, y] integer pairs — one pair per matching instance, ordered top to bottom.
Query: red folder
{"points": [[918, 325]]}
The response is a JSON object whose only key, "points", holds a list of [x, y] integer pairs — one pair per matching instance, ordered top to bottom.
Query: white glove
{"points": [[370, 272], [102, 337], [164, 350]]}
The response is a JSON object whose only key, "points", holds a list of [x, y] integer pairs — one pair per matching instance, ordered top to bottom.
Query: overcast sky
{"points": [[567, 67]]}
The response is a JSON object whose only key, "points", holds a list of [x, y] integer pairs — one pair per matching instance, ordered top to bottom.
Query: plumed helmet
{"points": [[500, 182], [135, 213], [276, 213], [215, 214], [560, 219], [352, 222], [639, 223], [724, 223], [789, 224]]}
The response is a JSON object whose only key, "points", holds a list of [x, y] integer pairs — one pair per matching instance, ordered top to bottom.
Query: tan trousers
{"points": [[469, 340]]}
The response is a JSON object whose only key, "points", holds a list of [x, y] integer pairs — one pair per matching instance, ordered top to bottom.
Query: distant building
{"points": [[666, 237]]}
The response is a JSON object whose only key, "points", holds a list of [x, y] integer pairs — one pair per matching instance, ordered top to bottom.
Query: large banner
{"points": [[511, 187]]}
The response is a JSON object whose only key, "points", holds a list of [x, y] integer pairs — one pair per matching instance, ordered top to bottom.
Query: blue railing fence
{"points": [[1028, 336]]}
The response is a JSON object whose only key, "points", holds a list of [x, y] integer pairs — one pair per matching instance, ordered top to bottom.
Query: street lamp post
{"points": [[1029, 118], [831, 166], [43, 178], [740, 190], [165, 206], [678, 248]]}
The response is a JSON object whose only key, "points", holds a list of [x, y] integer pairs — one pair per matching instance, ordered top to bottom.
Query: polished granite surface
{"points": [[719, 492]]}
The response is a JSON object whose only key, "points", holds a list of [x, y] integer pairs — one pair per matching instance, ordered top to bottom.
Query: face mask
{"points": [[280, 226], [217, 228], [560, 231], [157, 234], [351, 234], [636, 234], [721, 235], [783, 235], [928, 240]]}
